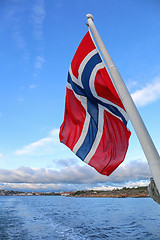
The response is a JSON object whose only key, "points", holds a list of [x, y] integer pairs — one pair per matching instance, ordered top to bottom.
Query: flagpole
{"points": [[136, 120]]}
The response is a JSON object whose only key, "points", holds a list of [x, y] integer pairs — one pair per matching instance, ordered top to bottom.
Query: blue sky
{"points": [[38, 40]]}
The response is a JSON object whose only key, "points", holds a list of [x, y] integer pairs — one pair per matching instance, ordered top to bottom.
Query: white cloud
{"points": [[38, 16], [15, 21], [19, 39], [39, 62], [32, 86], [148, 94], [20, 99], [45, 145], [76, 174], [72, 177], [138, 183], [31, 186], [38, 187], [102, 187]]}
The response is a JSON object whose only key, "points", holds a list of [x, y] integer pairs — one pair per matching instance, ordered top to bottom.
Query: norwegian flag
{"points": [[95, 120]]}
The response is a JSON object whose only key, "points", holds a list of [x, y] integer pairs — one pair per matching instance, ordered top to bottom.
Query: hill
{"points": [[116, 193]]}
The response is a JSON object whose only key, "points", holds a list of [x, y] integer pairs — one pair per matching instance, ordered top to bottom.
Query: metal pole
{"points": [[136, 120]]}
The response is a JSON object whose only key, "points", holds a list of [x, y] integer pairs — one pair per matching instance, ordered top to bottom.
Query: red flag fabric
{"points": [[95, 120]]}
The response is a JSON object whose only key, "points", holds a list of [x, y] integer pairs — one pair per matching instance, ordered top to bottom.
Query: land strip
{"points": [[115, 193]]}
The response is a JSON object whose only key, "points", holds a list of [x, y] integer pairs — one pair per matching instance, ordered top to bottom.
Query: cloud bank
{"points": [[72, 176]]}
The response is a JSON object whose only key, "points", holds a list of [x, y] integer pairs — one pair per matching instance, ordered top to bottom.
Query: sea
{"points": [[71, 218]]}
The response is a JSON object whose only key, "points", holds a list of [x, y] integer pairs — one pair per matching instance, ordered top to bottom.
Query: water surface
{"points": [[47, 217]]}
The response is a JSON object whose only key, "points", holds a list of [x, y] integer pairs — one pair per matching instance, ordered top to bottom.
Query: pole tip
{"points": [[90, 16]]}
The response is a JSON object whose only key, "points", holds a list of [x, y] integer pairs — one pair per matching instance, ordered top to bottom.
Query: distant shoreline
{"points": [[138, 192]]}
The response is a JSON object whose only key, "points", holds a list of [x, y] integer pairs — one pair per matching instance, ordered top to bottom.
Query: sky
{"points": [[38, 41]]}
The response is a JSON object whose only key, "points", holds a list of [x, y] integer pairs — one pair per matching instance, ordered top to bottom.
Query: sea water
{"points": [[69, 218]]}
